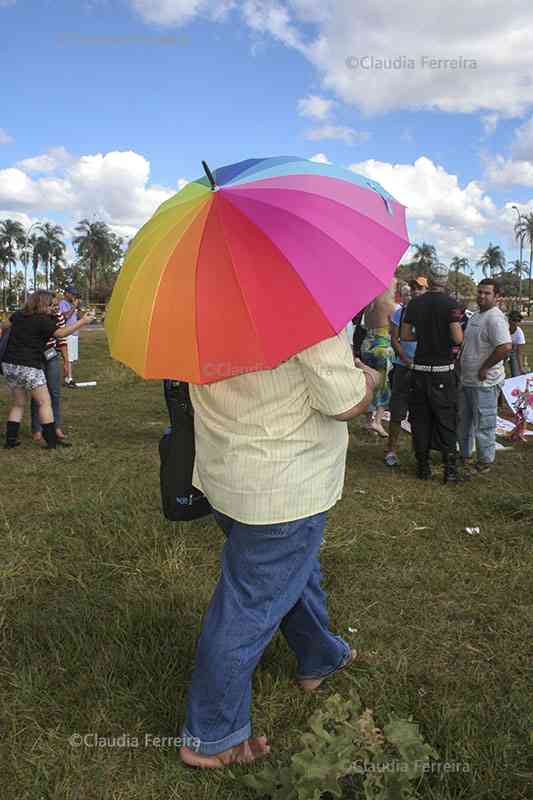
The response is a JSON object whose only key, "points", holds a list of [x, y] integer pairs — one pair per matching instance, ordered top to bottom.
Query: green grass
{"points": [[102, 599]]}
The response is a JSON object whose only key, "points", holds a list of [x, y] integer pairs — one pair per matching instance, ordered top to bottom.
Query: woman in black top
{"points": [[24, 360]]}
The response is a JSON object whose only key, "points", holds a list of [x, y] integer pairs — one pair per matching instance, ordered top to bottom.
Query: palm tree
{"points": [[524, 230], [12, 238], [35, 242], [50, 244], [95, 246], [25, 255], [424, 257], [7, 259], [492, 262], [58, 264], [459, 265], [518, 268], [3, 278], [18, 286]]}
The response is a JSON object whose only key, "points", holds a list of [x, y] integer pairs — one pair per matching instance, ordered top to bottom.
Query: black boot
{"points": [[12, 432], [50, 436], [423, 466], [452, 474]]}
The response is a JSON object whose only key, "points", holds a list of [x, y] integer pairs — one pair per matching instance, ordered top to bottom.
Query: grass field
{"points": [[102, 599]]}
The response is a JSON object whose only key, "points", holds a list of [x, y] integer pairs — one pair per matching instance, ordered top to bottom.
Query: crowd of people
{"points": [[38, 347], [441, 368], [270, 457]]}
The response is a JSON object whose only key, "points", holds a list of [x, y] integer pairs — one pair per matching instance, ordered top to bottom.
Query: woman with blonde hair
{"points": [[24, 360]]}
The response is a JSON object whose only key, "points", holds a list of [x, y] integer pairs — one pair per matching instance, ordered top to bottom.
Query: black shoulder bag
{"points": [[4, 340], [181, 501]]}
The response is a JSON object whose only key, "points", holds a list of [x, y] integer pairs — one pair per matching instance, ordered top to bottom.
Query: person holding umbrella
{"points": [[242, 285], [286, 432]]}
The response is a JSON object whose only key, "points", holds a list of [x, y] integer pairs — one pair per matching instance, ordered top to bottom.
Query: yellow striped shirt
{"points": [[267, 447]]}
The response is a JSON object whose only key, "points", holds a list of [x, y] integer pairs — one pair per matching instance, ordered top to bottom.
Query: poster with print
{"points": [[514, 387]]}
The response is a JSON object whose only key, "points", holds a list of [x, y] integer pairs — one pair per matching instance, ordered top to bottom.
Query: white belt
{"points": [[428, 368]]}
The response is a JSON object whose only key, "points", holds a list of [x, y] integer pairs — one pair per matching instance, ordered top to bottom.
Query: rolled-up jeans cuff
{"points": [[347, 654], [212, 748]]}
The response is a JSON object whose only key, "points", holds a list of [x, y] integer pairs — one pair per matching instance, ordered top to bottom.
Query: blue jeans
{"points": [[515, 369], [54, 377], [478, 409], [270, 579]]}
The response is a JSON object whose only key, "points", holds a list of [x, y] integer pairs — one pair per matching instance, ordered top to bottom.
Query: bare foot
{"points": [[374, 427], [60, 434], [37, 437], [312, 684], [243, 753]]}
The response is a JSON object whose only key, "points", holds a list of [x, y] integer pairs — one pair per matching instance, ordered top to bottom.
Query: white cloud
{"points": [[179, 12], [274, 18], [499, 40], [314, 106], [337, 132], [5, 138], [56, 157], [320, 158], [517, 170], [507, 172], [181, 183], [113, 187], [17, 188], [430, 192], [439, 210], [18, 216], [126, 232]]}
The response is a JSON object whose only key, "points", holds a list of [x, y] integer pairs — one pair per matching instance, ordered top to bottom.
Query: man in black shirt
{"points": [[436, 318]]}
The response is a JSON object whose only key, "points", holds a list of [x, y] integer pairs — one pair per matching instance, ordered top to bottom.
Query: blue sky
{"points": [[108, 106]]}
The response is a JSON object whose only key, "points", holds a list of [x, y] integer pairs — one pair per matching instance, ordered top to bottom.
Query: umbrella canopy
{"points": [[245, 267]]}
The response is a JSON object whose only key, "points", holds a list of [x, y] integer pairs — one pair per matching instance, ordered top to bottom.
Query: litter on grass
{"points": [[472, 531]]}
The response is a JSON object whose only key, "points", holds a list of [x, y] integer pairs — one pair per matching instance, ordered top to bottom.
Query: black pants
{"points": [[433, 413]]}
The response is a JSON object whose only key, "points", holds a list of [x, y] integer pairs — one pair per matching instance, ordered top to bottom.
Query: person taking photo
{"points": [[24, 361]]}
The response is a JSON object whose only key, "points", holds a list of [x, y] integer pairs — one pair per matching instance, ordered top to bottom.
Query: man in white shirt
{"points": [[486, 343], [270, 457]]}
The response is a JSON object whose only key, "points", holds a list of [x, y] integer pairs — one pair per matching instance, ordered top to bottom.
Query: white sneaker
{"points": [[391, 459]]}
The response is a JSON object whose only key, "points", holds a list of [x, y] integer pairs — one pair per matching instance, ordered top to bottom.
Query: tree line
{"points": [[99, 254], [35, 258], [515, 277]]}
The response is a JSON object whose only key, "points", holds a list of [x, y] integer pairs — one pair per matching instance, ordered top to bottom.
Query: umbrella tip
{"points": [[209, 175]]}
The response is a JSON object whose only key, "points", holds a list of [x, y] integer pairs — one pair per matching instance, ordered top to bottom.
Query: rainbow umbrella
{"points": [[251, 264]]}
